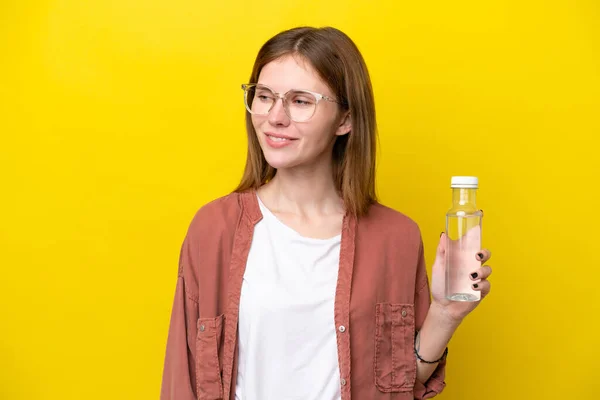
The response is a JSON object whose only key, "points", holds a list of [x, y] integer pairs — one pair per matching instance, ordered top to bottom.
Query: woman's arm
{"points": [[438, 318], [432, 340], [179, 372], [178, 379]]}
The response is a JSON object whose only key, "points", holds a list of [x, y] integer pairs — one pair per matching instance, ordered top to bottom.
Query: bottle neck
{"points": [[464, 198]]}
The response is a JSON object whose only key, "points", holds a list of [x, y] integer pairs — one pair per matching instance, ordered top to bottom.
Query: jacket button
{"points": [[403, 313], [202, 328], [342, 328], [343, 382]]}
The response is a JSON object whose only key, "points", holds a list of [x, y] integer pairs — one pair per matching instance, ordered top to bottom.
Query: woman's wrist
{"points": [[441, 319], [432, 340]]}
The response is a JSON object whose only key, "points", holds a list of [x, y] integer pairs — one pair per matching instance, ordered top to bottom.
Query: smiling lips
{"points": [[277, 140]]}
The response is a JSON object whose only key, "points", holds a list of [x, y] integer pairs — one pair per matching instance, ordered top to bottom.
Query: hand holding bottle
{"points": [[459, 279], [457, 310]]}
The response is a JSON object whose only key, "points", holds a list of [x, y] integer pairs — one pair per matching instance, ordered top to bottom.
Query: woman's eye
{"points": [[264, 95], [302, 101]]}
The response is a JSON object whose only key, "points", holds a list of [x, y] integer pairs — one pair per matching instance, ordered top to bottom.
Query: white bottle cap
{"points": [[465, 182]]}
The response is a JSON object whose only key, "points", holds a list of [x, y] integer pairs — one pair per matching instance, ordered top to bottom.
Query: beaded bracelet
{"points": [[442, 358]]}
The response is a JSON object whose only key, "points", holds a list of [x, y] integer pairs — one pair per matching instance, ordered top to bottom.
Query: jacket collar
{"points": [[250, 207]]}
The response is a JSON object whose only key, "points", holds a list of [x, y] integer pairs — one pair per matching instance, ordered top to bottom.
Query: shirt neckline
{"points": [[269, 214]]}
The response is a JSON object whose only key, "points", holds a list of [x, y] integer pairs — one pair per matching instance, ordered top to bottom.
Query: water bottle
{"points": [[463, 240]]}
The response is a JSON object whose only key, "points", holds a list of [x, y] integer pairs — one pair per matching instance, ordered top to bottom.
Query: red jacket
{"points": [[382, 298]]}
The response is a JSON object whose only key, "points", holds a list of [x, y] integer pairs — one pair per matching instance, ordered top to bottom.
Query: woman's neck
{"points": [[304, 193]]}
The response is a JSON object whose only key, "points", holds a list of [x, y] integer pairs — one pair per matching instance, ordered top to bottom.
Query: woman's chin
{"points": [[280, 164]]}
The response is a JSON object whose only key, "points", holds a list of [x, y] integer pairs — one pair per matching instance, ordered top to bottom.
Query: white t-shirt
{"points": [[287, 334]]}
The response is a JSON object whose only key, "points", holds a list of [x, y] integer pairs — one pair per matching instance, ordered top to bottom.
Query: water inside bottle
{"points": [[463, 244]]}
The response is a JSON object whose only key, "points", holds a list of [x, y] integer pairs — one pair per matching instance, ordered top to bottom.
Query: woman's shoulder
{"points": [[227, 203], [218, 214], [387, 220]]}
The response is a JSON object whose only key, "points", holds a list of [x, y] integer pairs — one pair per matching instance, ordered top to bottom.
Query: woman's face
{"points": [[287, 144]]}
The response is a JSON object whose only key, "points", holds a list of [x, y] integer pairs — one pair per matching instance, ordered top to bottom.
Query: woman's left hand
{"points": [[458, 310]]}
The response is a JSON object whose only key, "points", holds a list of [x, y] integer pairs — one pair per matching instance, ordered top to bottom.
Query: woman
{"points": [[299, 284]]}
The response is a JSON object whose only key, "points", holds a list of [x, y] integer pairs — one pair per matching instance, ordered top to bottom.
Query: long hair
{"points": [[337, 60]]}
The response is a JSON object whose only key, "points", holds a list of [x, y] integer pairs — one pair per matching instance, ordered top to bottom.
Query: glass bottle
{"points": [[463, 240]]}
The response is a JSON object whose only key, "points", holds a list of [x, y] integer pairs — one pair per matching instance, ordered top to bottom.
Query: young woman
{"points": [[299, 284]]}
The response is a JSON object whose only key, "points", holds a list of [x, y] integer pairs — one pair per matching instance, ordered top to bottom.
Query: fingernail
{"points": [[480, 255], [474, 275], [475, 286]]}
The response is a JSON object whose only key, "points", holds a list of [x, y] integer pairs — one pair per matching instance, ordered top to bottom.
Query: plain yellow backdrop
{"points": [[120, 118]]}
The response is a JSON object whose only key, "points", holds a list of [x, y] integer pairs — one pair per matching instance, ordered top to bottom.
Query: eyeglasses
{"points": [[299, 105]]}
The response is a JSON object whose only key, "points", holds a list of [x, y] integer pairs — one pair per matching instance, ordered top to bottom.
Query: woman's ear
{"points": [[345, 125]]}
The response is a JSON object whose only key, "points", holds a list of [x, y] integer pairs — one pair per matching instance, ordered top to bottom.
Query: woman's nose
{"points": [[277, 115]]}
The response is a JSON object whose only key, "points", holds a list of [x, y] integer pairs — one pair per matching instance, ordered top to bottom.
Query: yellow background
{"points": [[118, 119]]}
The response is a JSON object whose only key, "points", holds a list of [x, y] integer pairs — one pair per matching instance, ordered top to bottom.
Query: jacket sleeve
{"points": [[179, 372], [435, 384]]}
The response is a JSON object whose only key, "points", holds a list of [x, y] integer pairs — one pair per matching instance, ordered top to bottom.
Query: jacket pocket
{"points": [[395, 363], [209, 384]]}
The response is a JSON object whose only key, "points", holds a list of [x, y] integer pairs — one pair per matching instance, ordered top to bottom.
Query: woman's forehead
{"points": [[291, 72]]}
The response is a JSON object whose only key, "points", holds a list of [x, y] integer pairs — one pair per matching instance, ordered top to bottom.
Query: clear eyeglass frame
{"points": [[318, 97]]}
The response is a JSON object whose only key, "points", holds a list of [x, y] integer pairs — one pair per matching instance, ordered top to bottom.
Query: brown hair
{"points": [[340, 65]]}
